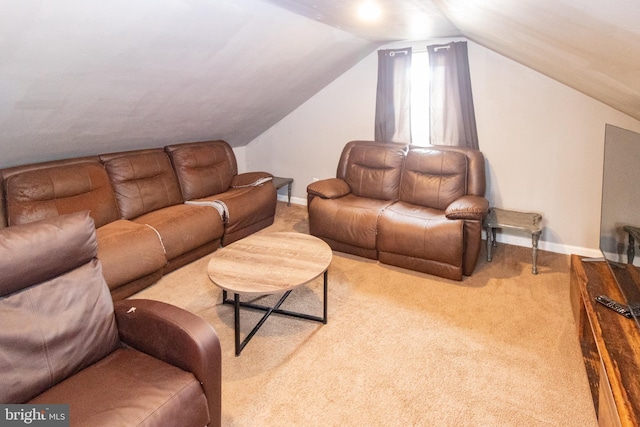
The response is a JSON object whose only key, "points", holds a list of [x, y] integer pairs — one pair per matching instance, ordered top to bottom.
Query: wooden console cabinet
{"points": [[610, 345]]}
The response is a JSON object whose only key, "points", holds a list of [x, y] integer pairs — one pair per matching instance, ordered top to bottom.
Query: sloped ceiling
{"points": [[592, 46], [86, 76], [90, 76]]}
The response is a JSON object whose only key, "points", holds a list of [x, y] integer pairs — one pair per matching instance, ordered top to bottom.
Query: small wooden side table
{"points": [[280, 182], [525, 221]]}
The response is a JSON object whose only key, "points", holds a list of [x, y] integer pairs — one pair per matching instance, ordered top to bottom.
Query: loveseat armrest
{"points": [[250, 179], [331, 188], [468, 207], [178, 337]]}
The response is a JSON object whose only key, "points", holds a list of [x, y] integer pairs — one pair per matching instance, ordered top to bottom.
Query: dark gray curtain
{"points": [[393, 98], [452, 116]]}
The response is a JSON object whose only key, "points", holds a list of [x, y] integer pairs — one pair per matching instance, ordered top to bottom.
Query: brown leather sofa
{"points": [[137, 200], [413, 207], [64, 341]]}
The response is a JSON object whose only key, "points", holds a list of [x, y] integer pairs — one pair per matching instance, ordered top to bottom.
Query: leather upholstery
{"points": [[203, 168], [373, 169], [207, 172], [433, 178], [143, 181], [36, 192], [148, 193], [137, 202], [419, 208], [351, 220], [183, 228], [142, 245], [47, 331], [139, 362], [135, 390]]}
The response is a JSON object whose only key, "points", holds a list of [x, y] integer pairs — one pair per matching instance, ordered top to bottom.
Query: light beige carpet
{"points": [[402, 348]]}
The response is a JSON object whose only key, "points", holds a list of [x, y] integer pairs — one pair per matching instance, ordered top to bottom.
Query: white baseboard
{"points": [[294, 200], [506, 238], [546, 246]]}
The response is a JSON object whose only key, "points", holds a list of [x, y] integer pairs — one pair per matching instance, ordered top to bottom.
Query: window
{"points": [[420, 98]]}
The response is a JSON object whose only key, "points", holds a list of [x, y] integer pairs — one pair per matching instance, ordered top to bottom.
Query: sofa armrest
{"points": [[250, 179], [331, 188], [468, 207], [177, 337]]}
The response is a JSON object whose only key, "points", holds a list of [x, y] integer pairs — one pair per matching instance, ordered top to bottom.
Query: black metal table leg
{"points": [[240, 344]]}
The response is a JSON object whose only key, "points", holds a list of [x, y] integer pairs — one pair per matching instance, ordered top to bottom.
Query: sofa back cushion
{"points": [[203, 168], [372, 169], [433, 178], [143, 181], [37, 194], [56, 309]]}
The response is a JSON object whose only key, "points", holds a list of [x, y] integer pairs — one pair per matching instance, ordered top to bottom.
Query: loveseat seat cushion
{"points": [[433, 178], [143, 181], [40, 193], [350, 220], [421, 239], [128, 251], [51, 328], [131, 388]]}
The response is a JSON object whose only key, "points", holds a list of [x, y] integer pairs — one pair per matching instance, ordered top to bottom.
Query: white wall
{"points": [[542, 140]]}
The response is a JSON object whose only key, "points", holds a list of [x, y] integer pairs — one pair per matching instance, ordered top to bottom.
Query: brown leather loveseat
{"points": [[137, 200], [419, 208], [64, 341]]}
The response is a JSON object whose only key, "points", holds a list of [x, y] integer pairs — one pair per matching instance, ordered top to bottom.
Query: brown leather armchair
{"points": [[413, 207], [63, 340]]}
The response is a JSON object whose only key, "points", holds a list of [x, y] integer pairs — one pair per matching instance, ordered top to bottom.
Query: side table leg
{"points": [[289, 194], [534, 240], [489, 243]]}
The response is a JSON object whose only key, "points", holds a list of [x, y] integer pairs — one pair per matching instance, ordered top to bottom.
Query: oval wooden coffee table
{"points": [[268, 263]]}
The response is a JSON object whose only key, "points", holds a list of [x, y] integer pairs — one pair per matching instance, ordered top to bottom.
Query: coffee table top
{"points": [[266, 263]]}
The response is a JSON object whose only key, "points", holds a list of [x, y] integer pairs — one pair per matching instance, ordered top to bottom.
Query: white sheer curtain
{"points": [[393, 99], [452, 115]]}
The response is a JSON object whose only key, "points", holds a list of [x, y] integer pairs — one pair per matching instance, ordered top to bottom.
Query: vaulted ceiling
{"points": [[86, 76]]}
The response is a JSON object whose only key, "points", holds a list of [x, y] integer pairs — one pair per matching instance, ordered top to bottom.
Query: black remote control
{"points": [[617, 307]]}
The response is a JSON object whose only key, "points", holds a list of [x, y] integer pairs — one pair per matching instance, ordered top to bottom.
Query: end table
{"points": [[280, 182], [526, 221]]}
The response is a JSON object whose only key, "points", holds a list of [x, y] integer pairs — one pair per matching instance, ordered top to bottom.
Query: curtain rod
{"points": [[421, 50], [406, 52]]}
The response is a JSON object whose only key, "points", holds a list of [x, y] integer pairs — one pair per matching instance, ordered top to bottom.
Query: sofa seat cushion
{"points": [[246, 206], [349, 219], [183, 228], [419, 232], [128, 251], [131, 388]]}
